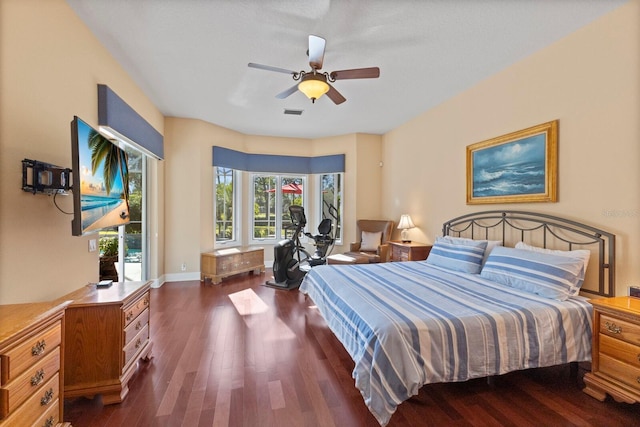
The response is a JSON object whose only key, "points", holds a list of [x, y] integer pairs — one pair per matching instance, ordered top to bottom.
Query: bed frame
{"points": [[546, 231]]}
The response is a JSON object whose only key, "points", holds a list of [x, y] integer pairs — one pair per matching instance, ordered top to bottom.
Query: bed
{"points": [[447, 319]]}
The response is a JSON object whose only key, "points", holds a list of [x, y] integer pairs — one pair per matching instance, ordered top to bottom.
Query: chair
{"points": [[371, 246]]}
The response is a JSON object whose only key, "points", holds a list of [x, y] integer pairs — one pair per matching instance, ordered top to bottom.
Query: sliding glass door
{"points": [[131, 238]]}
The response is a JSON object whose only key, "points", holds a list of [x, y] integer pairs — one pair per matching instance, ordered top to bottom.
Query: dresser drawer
{"points": [[134, 310], [136, 326], [620, 329], [136, 344], [620, 350], [16, 360], [621, 371], [25, 385], [37, 405], [51, 417]]}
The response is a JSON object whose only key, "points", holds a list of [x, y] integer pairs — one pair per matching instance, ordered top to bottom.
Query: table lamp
{"points": [[405, 224]]}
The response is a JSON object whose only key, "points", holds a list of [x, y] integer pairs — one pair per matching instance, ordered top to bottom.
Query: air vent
{"points": [[293, 112]]}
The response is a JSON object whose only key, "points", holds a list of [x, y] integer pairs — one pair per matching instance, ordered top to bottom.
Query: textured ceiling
{"points": [[190, 56]]}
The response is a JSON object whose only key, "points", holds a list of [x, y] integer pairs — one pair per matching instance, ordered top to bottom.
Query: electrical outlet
{"points": [[93, 245], [183, 267]]}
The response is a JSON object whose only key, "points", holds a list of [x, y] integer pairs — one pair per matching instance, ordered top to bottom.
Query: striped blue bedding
{"points": [[407, 324]]}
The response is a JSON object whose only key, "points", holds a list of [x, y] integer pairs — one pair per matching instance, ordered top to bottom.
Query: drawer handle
{"points": [[146, 301], [130, 315], [138, 326], [611, 327], [138, 343], [39, 348], [37, 378], [48, 397], [49, 422]]}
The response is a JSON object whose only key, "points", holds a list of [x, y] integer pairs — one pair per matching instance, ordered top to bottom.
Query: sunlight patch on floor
{"points": [[248, 302], [279, 331]]}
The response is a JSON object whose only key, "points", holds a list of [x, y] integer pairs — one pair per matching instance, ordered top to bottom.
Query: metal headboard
{"points": [[543, 230]]}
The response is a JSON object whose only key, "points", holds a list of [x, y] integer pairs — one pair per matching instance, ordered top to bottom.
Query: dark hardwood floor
{"points": [[242, 354]]}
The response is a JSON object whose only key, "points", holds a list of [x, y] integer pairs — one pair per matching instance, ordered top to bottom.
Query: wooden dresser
{"points": [[409, 251], [226, 262], [106, 332], [615, 368], [31, 369]]}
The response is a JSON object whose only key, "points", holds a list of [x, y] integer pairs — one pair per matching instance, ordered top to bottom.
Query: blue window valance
{"points": [[118, 116], [233, 159]]}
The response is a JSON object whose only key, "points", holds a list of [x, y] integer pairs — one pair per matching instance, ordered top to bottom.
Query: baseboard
{"points": [[182, 277], [156, 283]]}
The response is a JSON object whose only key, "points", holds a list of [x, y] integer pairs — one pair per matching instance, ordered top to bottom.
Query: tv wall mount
{"points": [[44, 178]]}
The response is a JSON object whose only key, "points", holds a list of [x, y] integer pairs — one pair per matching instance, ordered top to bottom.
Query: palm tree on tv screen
{"points": [[114, 160]]}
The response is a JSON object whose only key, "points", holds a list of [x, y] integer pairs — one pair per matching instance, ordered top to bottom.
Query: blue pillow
{"points": [[458, 254], [548, 275]]}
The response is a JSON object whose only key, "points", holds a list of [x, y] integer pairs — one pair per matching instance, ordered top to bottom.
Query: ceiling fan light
{"points": [[313, 87]]}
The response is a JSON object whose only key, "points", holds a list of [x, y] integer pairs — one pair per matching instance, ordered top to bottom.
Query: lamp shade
{"points": [[314, 86], [405, 222]]}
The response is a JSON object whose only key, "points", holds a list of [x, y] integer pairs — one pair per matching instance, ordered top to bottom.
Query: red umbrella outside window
{"points": [[292, 188]]}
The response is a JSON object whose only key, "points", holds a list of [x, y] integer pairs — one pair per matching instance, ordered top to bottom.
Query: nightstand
{"points": [[409, 251], [615, 366]]}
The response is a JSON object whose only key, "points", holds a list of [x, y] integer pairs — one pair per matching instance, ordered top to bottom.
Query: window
{"points": [[272, 196], [331, 200], [225, 207], [135, 231]]}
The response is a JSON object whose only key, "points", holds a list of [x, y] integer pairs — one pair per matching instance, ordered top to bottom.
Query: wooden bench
{"points": [[223, 263]]}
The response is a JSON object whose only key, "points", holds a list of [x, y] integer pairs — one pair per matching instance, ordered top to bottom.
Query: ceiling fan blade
{"points": [[316, 51], [270, 68], [356, 73], [284, 94], [335, 96]]}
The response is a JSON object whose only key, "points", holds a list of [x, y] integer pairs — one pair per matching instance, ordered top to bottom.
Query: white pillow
{"points": [[370, 240]]}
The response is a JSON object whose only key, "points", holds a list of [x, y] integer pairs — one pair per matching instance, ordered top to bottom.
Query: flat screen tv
{"points": [[100, 181]]}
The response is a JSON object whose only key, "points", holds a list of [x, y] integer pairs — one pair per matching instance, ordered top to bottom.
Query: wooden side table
{"points": [[409, 251], [615, 366]]}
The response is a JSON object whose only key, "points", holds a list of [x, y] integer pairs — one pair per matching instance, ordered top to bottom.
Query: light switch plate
{"points": [[93, 245]]}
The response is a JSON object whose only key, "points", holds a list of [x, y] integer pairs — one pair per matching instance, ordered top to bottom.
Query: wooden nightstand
{"points": [[409, 251], [615, 368]]}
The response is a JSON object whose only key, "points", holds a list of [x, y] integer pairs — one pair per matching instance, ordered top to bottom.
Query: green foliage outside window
{"points": [[224, 186]]}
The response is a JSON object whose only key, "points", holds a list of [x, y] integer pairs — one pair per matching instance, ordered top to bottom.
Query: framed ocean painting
{"points": [[519, 167]]}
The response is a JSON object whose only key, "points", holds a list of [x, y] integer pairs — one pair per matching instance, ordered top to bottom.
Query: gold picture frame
{"points": [[519, 167]]}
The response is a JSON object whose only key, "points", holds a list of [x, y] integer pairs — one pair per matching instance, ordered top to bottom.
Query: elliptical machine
{"points": [[324, 240], [291, 260]]}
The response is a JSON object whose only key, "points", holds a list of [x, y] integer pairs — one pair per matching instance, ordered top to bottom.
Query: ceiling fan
{"points": [[313, 83]]}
